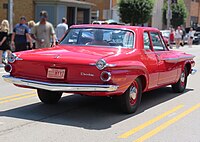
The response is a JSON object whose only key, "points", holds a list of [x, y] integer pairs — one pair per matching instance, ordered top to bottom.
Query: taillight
{"points": [[8, 68], [105, 76]]}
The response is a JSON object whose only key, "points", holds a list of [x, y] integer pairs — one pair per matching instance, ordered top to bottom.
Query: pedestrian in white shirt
{"points": [[61, 29], [178, 36], [190, 37]]}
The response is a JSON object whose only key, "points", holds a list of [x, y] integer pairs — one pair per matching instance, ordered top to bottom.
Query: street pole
{"points": [[110, 9], [10, 14], [168, 16]]}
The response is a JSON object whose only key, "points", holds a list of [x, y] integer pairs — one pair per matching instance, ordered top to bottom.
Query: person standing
{"points": [[31, 24], [61, 29], [43, 31], [20, 36], [178, 36], [190, 37], [171, 38], [4, 45]]}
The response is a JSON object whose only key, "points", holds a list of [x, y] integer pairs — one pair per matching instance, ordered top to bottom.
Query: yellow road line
{"points": [[16, 95], [19, 98], [157, 118], [166, 124]]}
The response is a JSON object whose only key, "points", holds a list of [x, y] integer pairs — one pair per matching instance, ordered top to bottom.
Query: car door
{"points": [[150, 61], [167, 70]]}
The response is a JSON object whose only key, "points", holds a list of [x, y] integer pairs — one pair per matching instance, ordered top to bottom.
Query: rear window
{"points": [[100, 37]]}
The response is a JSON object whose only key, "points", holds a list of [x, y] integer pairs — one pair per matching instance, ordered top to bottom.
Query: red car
{"points": [[102, 60]]}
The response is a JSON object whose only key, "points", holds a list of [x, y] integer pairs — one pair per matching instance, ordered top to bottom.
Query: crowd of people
{"points": [[30, 35], [178, 36]]}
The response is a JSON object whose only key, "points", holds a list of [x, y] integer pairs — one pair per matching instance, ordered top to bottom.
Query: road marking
{"points": [[16, 95], [19, 98], [166, 124], [144, 125]]}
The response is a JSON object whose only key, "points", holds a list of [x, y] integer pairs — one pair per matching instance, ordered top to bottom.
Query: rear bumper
{"points": [[193, 71], [59, 86]]}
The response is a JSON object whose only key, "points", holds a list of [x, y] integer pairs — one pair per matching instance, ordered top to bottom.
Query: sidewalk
{"points": [[186, 47]]}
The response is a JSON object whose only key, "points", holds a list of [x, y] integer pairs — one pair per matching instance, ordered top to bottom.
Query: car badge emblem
{"points": [[87, 74]]}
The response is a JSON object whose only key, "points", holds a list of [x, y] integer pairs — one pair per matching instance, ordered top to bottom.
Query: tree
{"points": [[135, 11], [179, 13]]}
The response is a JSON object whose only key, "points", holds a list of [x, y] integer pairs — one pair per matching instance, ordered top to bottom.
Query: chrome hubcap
{"points": [[182, 77], [133, 93]]}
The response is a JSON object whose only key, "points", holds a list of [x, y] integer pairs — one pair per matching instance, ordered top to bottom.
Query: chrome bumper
{"points": [[193, 71], [59, 87]]}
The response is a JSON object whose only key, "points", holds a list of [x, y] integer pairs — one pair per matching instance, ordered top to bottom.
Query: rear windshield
{"points": [[99, 37]]}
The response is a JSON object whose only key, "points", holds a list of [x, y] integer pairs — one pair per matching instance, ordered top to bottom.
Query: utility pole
{"points": [[111, 9], [10, 14]]}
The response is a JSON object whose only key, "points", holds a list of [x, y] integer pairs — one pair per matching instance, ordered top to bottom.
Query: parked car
{"points": [[109, 21], [99, 22], [165, 34], [196, 39], [106, 60]]}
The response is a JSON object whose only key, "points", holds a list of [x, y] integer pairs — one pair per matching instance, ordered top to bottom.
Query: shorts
{"points": [[4, 48]]}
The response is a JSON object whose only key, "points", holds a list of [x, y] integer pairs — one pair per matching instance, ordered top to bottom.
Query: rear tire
{"points": [[180, 86], [49, 97], [131, 99]]}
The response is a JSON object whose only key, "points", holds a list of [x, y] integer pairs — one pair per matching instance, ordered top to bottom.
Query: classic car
{"points": [[102, 60]]}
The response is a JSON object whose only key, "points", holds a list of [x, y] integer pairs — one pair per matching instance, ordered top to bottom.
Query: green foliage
{"points": [[135, 11], [179, 13]]}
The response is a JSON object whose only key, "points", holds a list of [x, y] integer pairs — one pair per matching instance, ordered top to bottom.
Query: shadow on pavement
{"points": [[88, 112]]}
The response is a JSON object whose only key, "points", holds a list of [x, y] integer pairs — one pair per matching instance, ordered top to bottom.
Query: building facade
{"points": [[22, 8], [193, 8], [104, 10], [86, 11], [76, 12]]}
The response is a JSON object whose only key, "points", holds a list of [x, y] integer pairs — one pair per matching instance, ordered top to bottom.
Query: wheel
{"points": [[180, 86], [49, 97], [131, 99]]}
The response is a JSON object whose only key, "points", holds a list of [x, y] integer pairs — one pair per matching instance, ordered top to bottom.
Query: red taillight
{"points": [[8, 68], [105, 76]]}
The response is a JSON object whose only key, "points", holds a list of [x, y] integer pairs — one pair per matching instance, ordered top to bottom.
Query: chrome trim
{"points": [[12, 58], [19, 59], [179, 59], [103, 62], [107, 65], [10, 68], [193, 71], [109, 76], [59, 86]]}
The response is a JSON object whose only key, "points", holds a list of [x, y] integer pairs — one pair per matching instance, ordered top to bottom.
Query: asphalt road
{"points": [[162, 117]]}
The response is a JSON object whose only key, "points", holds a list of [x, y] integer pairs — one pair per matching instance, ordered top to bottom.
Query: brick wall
{"points": [[101, 5], [22, 8], [3, 11]]}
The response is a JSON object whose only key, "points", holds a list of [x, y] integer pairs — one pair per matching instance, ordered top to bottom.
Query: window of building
{"points": [[5, 6]]}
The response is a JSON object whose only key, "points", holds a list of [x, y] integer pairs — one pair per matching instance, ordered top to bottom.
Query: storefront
{"points": [[76, 12]]}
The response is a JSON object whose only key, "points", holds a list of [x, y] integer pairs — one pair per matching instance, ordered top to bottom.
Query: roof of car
{"points": [[113, 26]]}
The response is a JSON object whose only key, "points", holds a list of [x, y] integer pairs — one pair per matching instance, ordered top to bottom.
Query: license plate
{"points": [[56, 73]]}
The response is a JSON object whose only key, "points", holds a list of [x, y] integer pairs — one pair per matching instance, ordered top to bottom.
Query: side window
{"points": [[128, 40], [146, 41], [158, 43]]}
